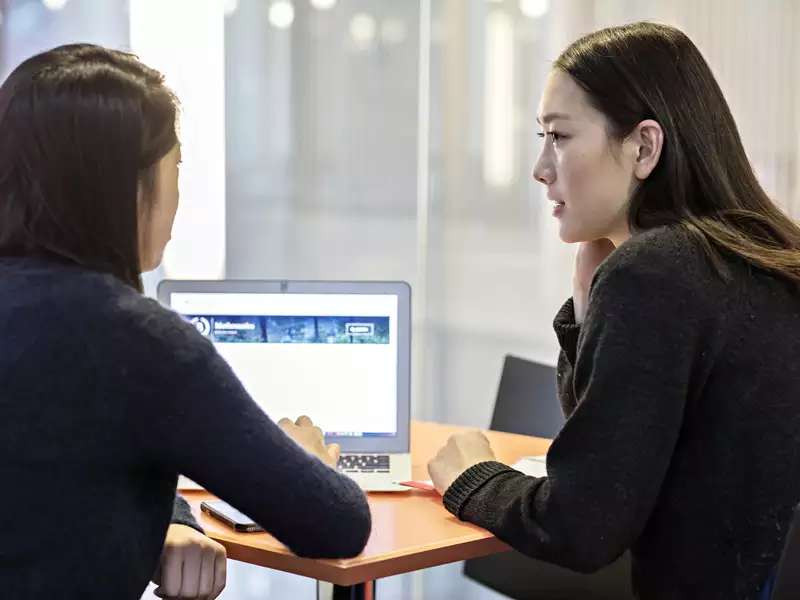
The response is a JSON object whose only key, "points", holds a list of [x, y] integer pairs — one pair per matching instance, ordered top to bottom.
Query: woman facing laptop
{"points": [[107, 396]]}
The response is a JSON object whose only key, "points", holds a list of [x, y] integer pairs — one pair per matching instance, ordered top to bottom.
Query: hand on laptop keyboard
{"points": [[310, 437]]}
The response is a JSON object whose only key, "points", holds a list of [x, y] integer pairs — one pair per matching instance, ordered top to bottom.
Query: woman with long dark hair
{"points": [[679, 370], [107, 396]]}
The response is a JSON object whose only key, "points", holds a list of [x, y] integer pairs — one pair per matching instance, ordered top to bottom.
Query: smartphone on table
{"points": [[230, 516]]}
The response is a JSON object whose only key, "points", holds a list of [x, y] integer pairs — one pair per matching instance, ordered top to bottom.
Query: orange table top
{"points": [[410, 530]]}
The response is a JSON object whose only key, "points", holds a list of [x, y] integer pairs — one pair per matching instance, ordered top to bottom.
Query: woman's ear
{"points": [[649, 139]]}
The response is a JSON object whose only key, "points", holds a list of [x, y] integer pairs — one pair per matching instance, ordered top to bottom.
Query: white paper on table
{"points": [[535, 466], [184, 483]]}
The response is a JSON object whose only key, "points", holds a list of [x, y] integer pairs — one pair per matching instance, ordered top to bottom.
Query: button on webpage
{"points": [[360, 328]]}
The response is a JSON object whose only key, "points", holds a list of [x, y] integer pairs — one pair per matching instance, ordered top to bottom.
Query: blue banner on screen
{"points": [[290, 329]]}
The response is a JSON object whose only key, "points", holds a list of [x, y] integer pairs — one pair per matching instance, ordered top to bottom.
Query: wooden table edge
{"points": [[343, 573]]}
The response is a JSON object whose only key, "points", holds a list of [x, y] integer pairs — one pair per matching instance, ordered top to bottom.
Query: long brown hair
{"points": [[81, 128], [703, 181]]}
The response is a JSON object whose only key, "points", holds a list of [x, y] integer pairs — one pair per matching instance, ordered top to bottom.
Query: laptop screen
{"points": [[331, 356]]}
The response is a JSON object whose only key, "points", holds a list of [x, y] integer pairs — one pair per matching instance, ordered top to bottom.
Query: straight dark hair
{"points": [[82, 129], [703, 181]]}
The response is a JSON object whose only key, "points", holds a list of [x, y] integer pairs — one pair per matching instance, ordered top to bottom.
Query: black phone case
{"points": [[241, 527]]}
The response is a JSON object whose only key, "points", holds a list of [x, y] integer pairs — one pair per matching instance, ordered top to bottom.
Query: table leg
{"points": [[359, 591]]}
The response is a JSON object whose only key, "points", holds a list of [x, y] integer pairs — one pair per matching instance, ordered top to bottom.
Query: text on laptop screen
{"points": [[330, 356]]}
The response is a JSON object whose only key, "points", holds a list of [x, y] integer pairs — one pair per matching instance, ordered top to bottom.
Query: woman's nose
{"points": [[543, 173]]}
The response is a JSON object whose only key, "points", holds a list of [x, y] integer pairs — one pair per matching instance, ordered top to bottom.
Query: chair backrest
{"points": [[527, 400], [787, 578]]}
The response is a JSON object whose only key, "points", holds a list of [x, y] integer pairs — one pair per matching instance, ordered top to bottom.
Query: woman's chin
{"points": [[574, 235], [570, 236], [150, 265]]}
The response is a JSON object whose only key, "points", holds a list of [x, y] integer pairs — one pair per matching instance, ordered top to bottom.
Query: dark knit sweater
{"points": [[106, 397], [682, 441], [182, 514]]}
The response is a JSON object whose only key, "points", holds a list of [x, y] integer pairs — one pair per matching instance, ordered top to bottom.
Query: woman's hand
{"points": [[589, 257], [311, 439], [461, 451], [191, 565]]}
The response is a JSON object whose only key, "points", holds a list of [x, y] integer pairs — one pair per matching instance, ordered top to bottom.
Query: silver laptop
{"points": [[338, 352]]}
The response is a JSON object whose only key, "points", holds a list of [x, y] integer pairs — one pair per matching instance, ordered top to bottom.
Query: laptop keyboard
{"points": [[364, 463]]}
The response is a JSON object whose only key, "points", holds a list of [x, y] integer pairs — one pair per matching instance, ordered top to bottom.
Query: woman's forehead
{"points": [[562, 100]]}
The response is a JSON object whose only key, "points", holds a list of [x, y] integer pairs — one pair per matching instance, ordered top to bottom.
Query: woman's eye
{"points": [[555, 136]]}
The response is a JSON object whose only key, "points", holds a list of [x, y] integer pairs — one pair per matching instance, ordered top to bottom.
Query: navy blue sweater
{"points": [[106, 397], [682, 441]]}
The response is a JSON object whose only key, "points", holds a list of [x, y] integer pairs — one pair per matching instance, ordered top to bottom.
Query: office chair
{"points": [[527, 403], [787, 578]]}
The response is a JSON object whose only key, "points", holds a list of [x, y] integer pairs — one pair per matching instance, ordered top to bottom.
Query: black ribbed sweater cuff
{"points": [[469, 482]]}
